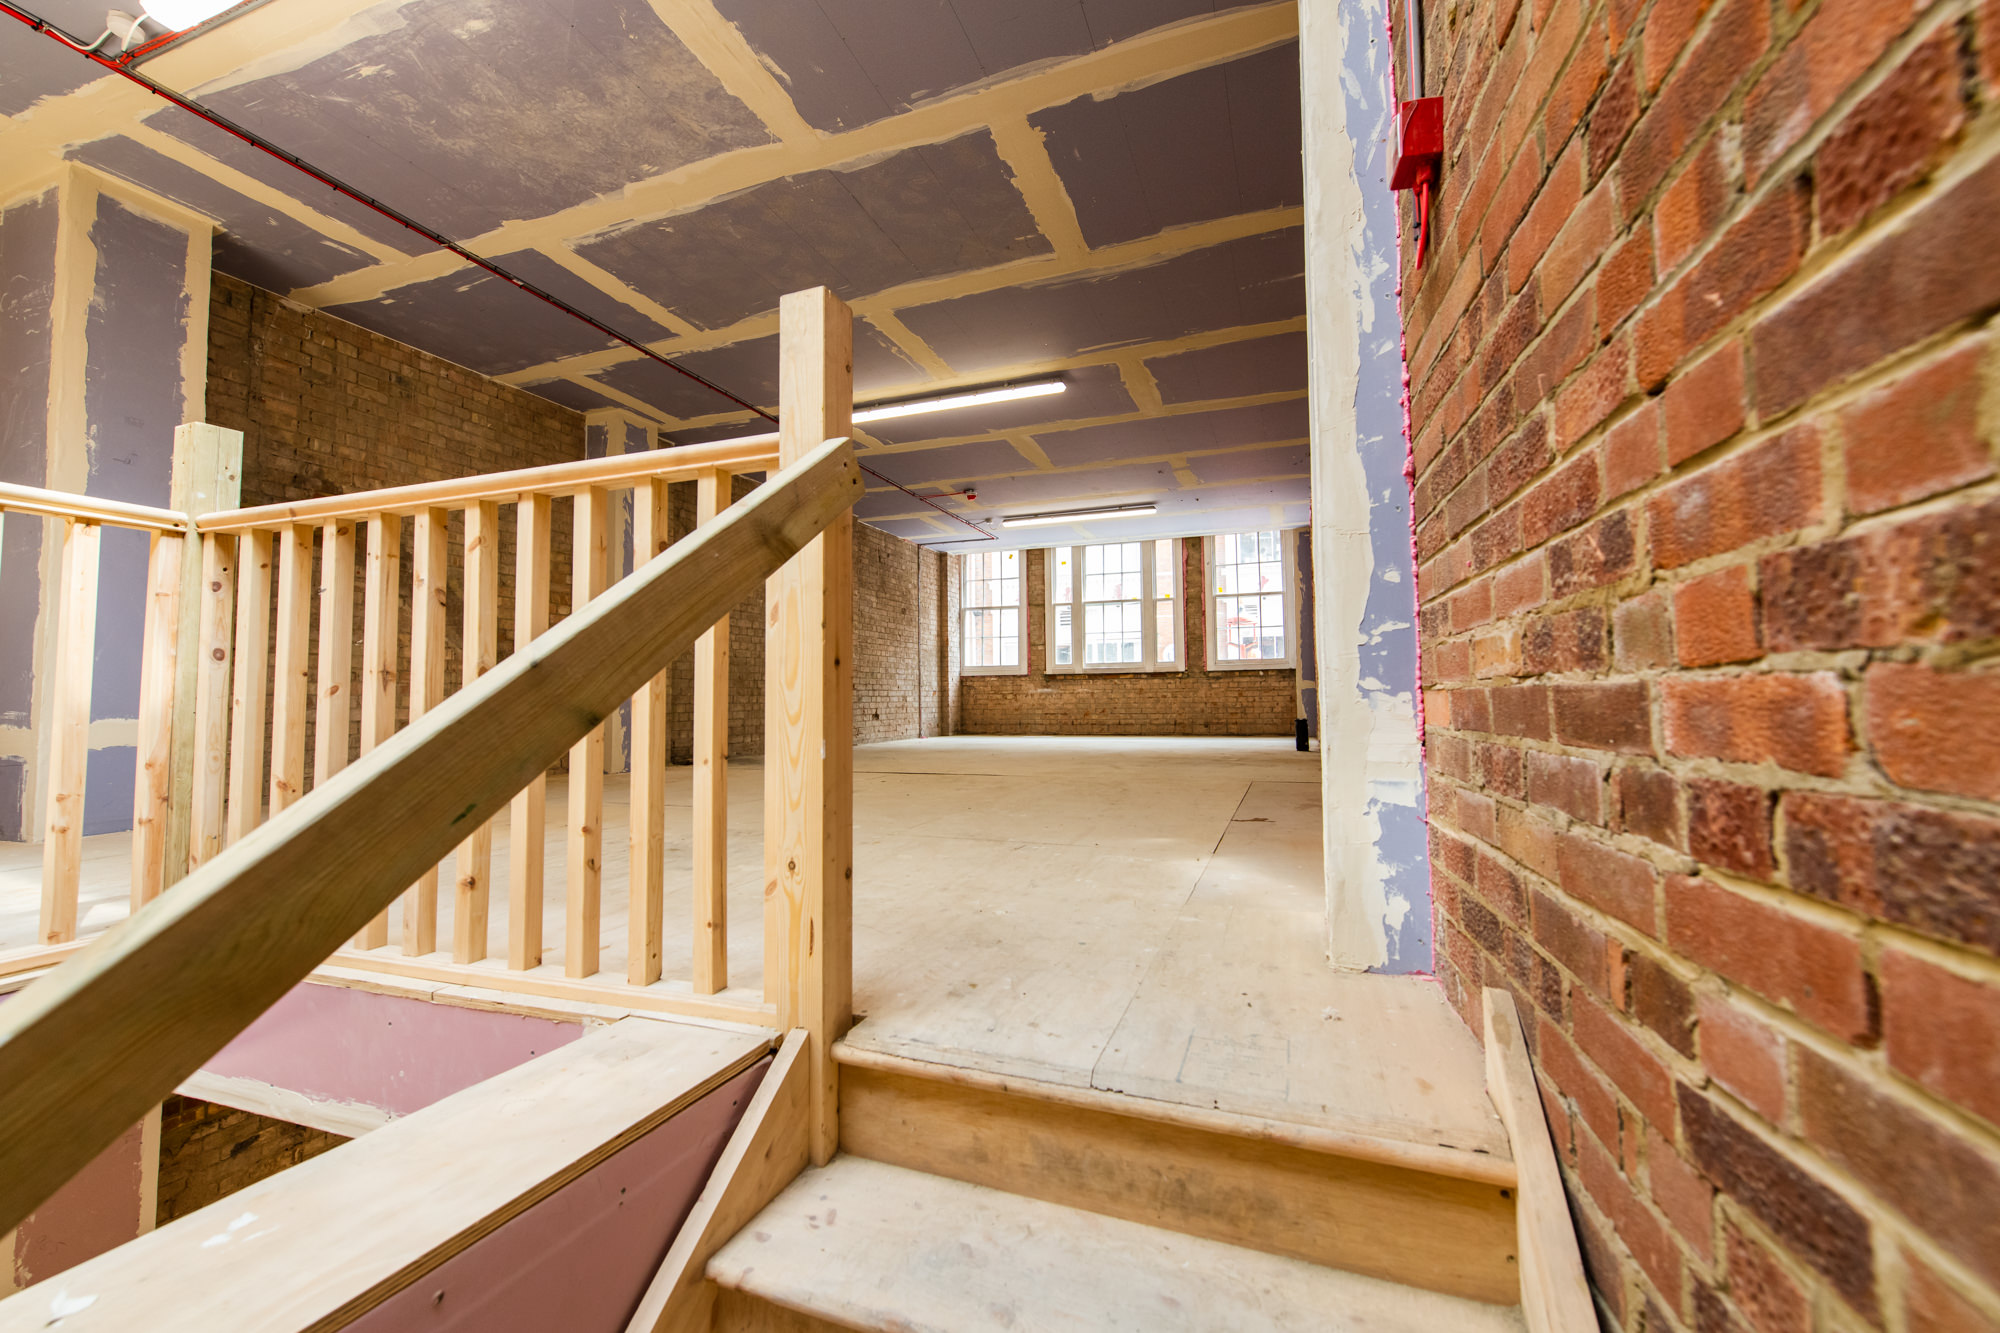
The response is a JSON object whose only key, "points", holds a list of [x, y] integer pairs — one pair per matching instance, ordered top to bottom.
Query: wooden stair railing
{"points": [[90, 1048]]}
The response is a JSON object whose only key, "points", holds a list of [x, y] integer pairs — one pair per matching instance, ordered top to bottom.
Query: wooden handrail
{"points": [[752, 453], [90, 509], [89, 1049]]}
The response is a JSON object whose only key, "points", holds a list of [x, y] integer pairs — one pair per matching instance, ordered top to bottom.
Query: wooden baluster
{"points": [[429, 569], [381, 607], [214, 646], [336, 650], [479, 651], [159, 667], [291, 674], [246, 710], [809, 722], [69, 729], [649, 769], [711, 773], [526, 834], [583, 889]]}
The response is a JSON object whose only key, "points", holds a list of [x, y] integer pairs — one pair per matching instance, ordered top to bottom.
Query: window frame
{"points": [[1288, 557], [1019, 606], [1148, 615]]}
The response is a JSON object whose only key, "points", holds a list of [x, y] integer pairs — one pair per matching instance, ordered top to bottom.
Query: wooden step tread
{"points": [[865, 1245]]}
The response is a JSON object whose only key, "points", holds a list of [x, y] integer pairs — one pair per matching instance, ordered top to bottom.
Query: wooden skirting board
{"points": [[1408, 1225], [317, 1246], [1554, 1294]]}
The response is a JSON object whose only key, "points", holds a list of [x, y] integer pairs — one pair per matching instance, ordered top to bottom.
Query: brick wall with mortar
{"points": [[1704, 406], [327, 407], [1192, 702], [208, 1152]]}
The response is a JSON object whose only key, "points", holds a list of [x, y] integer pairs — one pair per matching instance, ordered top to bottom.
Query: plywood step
{"points": [[1439, 1219], [865, 1245]]}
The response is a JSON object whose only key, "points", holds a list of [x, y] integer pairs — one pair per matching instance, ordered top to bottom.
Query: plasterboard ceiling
{"points": [[1108, 190]]}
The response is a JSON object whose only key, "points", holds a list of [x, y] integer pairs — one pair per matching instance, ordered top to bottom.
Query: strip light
{"points": [[945, 403], [1077, 516]]}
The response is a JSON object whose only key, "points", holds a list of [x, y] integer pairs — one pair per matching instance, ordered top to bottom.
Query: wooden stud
{"points": [[207, 476], [429, 570], [381, 608], [214, 646], [336, 650], [479, 651], [159, 668], [291, 676], [809, 720], [69, 730], [711, 774], [648, 816], [526, 831], [583, 886], [101, 1040], [1554, 1295]]}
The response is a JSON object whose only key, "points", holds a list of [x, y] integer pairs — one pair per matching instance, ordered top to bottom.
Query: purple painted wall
{"points": [[340, 1044], [99, 1209], [581, 1259]]}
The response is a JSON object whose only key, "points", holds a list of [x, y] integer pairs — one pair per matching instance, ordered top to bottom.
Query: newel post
{"points": [[207, 476], [809, 721]]}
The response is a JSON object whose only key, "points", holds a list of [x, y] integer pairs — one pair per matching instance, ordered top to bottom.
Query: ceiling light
{"points": [[180, 15], [946, 402], [1078, 516]]}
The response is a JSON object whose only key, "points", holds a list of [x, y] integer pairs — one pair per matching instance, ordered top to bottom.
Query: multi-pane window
{"points": [[1250, 599], [1114, 607], [993, 618]]}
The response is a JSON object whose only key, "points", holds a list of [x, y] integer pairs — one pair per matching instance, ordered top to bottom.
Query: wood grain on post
{"points": [[207, 475], [429, 570], [381, 605], [214, 649], [336, 650], [479, 650], [159, 669], [291, 676], [246, 695], [809, 721], [69, 730], [711, 774], [648, 813], [526, 831], [583, 883], [89, 1049]]}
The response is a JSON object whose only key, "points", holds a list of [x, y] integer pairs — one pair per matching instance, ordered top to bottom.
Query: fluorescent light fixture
{"points": [[180, 15], [1006, 393], [1077, 516]]}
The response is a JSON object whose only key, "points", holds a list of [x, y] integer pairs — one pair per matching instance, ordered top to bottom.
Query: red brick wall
{"points": [[1704, 405], [1194, 702], [208, 1152]]}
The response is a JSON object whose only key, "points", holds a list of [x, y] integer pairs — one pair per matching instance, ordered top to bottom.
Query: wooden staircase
{"points": [[962, 1200]]}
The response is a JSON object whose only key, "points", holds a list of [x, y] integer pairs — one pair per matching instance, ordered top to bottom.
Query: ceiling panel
{"points": [[1232, 370]]}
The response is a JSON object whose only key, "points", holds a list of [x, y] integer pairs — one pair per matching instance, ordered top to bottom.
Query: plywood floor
{"points": [[1138, 915]]}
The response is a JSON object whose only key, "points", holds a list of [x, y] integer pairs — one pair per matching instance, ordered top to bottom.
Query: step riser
{"points": [[1409, 1226], [737, 1313]]}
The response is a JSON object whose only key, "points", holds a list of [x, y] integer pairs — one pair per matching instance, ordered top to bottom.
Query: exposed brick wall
{"points": [[328, 408], [1704, 409], [937, 644], [1193, 702], [208, 1152]]}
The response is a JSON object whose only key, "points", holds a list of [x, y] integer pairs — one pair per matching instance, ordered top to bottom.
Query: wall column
{"points": [[103, 353], [1377, 866]]}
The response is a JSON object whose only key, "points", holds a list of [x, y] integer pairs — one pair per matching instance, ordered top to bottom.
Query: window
{"points": [[1250, 600], [1115, 607], [992, 632]]}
